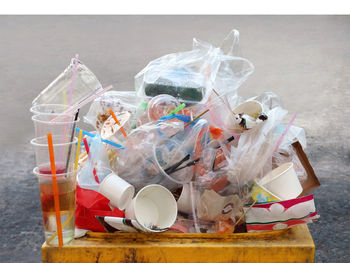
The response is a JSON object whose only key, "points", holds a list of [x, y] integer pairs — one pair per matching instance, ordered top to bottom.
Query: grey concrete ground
{"points": [[304, 59]]}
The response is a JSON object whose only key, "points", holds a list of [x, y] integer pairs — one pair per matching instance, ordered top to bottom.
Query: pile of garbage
{"points": [[184, 152]]}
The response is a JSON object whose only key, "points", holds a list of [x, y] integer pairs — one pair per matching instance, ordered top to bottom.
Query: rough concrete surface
{"points": [[304, 59]]}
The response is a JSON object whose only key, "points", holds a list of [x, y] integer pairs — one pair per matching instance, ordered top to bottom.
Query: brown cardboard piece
{"points": [[311, 181]]}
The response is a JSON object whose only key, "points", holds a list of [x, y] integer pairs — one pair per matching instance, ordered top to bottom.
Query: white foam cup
{"points": [[282, 182], [117, 190], [154, 209]]}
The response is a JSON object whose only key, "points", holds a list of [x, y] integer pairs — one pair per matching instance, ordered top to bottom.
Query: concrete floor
{"points": [[304, 59]]}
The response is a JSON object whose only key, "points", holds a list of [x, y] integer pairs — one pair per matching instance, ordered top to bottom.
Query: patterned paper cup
{"points": [[262, 195]]}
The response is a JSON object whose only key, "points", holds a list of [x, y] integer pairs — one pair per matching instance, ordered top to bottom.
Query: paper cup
{"points": [[251, 108], [282, 182], [117, 190], [262, 195], [184, 204], [154, 209]]}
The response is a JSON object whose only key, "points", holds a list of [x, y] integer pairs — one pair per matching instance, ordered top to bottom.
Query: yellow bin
{"points": [[282, 246]]}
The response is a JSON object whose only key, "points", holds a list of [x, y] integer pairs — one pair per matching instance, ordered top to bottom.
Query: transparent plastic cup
{"points": [[83, 82], [52, 110], [43, 124], [64, 153], [141, 168], [66, 193]]}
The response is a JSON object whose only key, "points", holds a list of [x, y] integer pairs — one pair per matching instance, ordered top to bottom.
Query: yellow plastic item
{"points": [[282, 246]]}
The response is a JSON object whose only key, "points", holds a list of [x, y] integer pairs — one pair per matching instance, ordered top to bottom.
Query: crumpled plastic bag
{"points": [[191, 76], [247, 161]]}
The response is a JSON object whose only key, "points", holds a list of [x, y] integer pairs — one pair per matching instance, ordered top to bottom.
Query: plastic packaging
{"points": [[191, 76], [118, 101], [288, 154], [251, 158], [97, 160]]}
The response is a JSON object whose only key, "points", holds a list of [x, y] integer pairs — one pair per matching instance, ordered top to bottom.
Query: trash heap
{"points": [[183, 153]]}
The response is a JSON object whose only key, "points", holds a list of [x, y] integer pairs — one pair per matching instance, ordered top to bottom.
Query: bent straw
{"points": [[82, 103], [183, 105], [116, 120], [284, 133], [71, 139], [106, 141], [78, 150], [88, 153], [55, 190], [63, 226]]}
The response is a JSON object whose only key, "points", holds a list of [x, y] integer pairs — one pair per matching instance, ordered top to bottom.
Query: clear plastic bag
{"points": [[190, 76], [118, 101], [254, 151], [288, 154], [150, 156], [97, 164], [214, 212]]}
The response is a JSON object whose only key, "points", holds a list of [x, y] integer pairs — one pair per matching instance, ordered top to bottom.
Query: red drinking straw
{"points": [[88, 152], [55, 190]]}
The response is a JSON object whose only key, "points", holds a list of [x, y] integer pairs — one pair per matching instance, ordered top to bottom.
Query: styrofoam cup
{"points": [[283, 182], [117, 190], [154, 208]]}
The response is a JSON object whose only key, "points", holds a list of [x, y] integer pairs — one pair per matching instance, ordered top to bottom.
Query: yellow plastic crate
{"points": [[283, 246]]}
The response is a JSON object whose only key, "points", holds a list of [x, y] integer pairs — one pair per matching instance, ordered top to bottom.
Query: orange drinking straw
{"points": [[116, 120], [55, 190]]}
